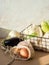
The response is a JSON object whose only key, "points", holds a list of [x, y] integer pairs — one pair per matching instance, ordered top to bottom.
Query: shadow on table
{"points": [[40, 54], [4, 59], [34, 61]]}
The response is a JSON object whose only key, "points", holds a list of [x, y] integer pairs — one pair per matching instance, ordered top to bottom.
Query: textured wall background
{"points": [[17, 14]]}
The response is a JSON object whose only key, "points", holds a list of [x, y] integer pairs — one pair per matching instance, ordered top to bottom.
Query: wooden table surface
{"points": [[41, 58]]}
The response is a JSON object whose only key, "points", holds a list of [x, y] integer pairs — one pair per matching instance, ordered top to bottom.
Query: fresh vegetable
{"points": [[45, 26], [32, 32], [13, 34], [12, 41], [24, 53]]}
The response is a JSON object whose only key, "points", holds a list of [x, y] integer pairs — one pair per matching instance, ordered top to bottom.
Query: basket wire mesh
{"points": [[39, 43]]}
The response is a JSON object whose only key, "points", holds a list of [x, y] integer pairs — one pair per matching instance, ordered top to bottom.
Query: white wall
{"points": [[17, 14]]}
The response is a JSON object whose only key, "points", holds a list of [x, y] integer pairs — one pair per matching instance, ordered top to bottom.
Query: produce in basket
{"points": [[45, 26], [37, 30], [33, 31], [38, 35], [45, 41]]}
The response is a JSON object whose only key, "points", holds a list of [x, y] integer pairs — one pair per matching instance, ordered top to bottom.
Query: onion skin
{"points": [[24, 53]]}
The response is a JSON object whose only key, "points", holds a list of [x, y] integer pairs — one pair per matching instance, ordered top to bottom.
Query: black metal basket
{"points": [[39, 43]]}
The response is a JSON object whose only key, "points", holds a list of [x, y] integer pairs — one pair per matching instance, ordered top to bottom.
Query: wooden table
{"points": [[41, 58]]}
